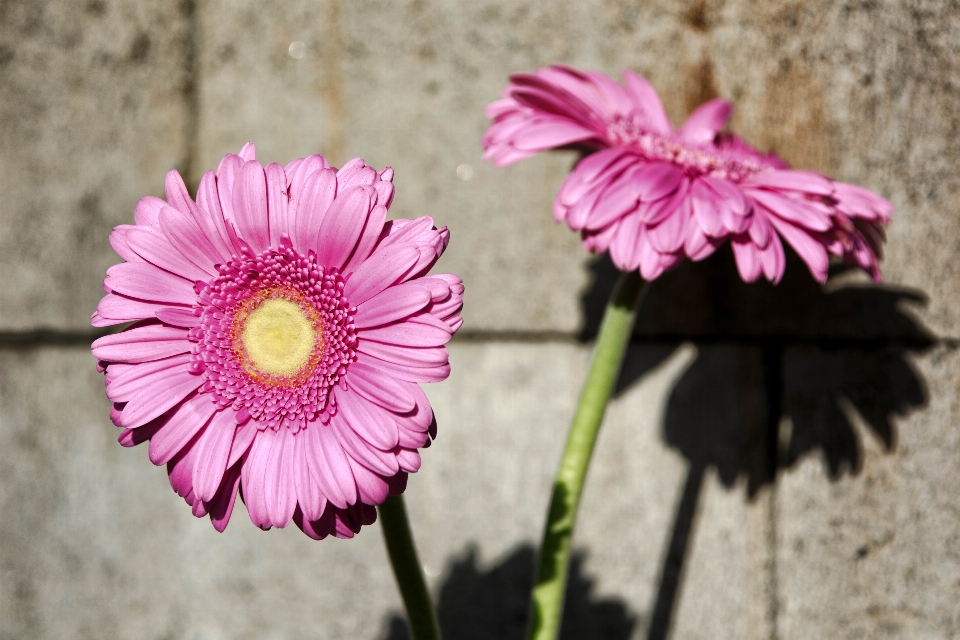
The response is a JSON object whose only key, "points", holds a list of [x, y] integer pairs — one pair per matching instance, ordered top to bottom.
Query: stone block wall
{"points": [[780, 462]]}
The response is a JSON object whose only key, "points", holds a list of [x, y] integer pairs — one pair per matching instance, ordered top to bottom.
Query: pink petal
{"points": [[615, 94], [645, 97], [703, 124], [550, 133], [248, 152], [588, 171], [227, 172], [358, 176], [793, 180], [318, 194], [177, 195], [619, 199], [278, 201], [707, 205], [250, 206], [736, 209], [147, 211], [656, 211], [793, 211], [211, 219], [342, 225], [760, 230], [668, 236], [368, 237], [187, 238], [118, 242], [696, 244], [152, 245], [624, 247], [812, 251], [649, 258], [748, 259], [773, 260], [381, 270], [147, 282], [392, 304], [114, 309], [178, 317], [411, 334], [142, 344], [407, 372], [378, 388], [153, 392], [373, 426], [180, 427], [242, 440], [266, 446], [213, 451], [377, 460], [409, 460], [329, 466], [278, 479], [371, 488], [309, 496], [221, 507], [317, 529]]}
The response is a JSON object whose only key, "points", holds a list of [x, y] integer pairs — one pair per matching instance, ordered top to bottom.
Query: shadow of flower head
{"points": [[781, 371], [477, 603]]}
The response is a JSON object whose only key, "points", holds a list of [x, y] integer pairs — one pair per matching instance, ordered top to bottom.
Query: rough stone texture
{"points": [[859, 90], [94, 111], [722, 503], [101, 548], [876, 555]]}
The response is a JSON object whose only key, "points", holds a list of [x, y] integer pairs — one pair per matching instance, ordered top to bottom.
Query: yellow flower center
{"points": [[278, 338]]}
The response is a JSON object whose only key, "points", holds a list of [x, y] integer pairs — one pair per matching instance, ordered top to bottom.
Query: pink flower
{"points": [[653, 195], [281, 328]]}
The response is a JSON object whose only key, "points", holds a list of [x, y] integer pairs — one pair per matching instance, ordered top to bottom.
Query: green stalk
{"points": [[407, 569], [551, 582]]}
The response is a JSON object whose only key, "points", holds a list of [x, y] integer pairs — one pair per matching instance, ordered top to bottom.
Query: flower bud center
{"points": [[278, 337]]}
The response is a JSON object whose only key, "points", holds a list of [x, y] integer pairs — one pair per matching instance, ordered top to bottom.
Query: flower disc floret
{"points": [[229, 306]]}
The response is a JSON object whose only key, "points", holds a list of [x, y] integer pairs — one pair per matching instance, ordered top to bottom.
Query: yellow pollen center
{"points": [[278, 337]]}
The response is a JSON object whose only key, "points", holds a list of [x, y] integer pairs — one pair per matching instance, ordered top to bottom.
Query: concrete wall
{"points": [[779, 463]]}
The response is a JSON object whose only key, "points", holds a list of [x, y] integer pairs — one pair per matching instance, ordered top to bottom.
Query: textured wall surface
{"points": [[780, 463]]}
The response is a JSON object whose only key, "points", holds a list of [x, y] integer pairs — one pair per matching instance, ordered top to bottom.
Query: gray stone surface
{"points": [[404, 83], [94, 111], [683, 533], [100, 547], [876, 555]]}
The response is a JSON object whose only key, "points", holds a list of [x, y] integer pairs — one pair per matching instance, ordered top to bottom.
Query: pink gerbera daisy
{"points": [[653, 195], [281, 328]]}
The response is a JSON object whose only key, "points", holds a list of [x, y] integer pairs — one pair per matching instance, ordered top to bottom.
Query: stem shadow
{"points": [[781, 372]]}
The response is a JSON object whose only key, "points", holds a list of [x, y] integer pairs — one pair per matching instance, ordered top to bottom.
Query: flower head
{"points": [[653, 195], [281, 328]]}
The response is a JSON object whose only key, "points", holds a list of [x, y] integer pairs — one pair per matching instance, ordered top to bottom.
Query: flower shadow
{"points": [[781, 372], [478, 603]]}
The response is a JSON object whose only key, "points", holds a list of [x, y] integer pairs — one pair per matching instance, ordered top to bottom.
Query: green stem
{"points": [[407, 569], [550, 586]]}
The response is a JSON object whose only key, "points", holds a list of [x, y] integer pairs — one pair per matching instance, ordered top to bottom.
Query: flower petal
{"points": [[705, 123], [318, 194], [250, 206], [342, 224], [147, 282], [392, 304], [142, 344], [191, 416], [213, 451]]}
